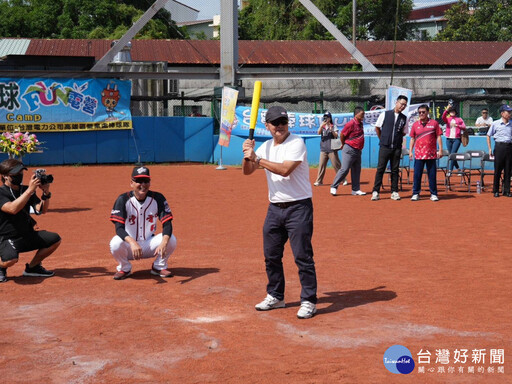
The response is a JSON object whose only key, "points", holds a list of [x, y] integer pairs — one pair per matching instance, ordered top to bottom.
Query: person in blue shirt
{"points": [[501, 131]]}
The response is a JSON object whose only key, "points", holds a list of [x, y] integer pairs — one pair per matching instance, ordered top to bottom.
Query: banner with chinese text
{"points": [[50, 105], [227, 115], [307, 124]]}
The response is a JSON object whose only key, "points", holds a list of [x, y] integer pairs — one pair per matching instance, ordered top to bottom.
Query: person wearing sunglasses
{"points": [[484, 121], [428, 147], [290, 212], [135, 214], [17, 227]]}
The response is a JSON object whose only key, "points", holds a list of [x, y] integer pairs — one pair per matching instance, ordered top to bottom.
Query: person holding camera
{"points": [[327, 132], [17, 232]]}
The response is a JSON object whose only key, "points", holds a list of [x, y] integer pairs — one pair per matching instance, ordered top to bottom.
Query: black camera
{"points": [[41, 175]]}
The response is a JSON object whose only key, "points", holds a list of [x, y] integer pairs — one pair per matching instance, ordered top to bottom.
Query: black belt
{"points": [[504, 142], [289, 203]]}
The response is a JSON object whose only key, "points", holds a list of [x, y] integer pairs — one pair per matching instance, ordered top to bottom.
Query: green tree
{"points": [[81, 19], [290, 20], [477, 20]]}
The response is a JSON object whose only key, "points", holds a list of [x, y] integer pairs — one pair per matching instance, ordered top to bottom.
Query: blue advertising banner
{"points": [[46, 105], [307, 124]]}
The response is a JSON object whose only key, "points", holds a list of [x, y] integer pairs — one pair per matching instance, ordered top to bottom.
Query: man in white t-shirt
{"points": [[484, 121], [290, 212]]}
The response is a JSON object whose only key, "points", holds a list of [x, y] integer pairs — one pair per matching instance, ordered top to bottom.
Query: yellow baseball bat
{"points": [[256, 94]]}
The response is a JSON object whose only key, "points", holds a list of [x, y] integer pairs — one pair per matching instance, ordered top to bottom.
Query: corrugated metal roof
{"points": [[13, 46], [321, 52]]}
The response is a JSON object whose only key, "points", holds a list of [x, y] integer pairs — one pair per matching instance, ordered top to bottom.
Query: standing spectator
{"points": [[485, 120], [391, 126], [454, 127], [501, 130], [327, 132], [424, 134], [352, 140], [290, 212]]}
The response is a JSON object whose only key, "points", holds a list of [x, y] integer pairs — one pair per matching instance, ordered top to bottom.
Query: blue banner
{"points": [[45, 105], [302, 124], [307, 124]]}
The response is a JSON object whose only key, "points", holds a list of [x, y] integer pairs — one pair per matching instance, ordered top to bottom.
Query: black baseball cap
{"points": [[505, 107], [275, 112], [328, 114], [17, 169], [140, 172]]}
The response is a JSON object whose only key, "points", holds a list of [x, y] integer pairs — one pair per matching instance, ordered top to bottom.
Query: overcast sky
{"points": [[208, 8]]}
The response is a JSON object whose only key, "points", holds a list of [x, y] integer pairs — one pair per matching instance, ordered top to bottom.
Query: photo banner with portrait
{"points": [[56, 105], [227, 115], [307, 124]]}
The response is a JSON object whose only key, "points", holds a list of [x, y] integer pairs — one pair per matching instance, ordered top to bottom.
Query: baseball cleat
{"points": [[161, 272], [121, 275]]}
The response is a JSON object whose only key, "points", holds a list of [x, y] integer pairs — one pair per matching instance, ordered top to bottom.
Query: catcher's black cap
{"points": [[140, 172]]}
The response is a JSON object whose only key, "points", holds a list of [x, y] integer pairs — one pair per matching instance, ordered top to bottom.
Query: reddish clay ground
{"points": [[421, 274]]}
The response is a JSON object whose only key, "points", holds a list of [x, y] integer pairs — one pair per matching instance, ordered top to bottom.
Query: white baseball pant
{"points": [[122, 252]]}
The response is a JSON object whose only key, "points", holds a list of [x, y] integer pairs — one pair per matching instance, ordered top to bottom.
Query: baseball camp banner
{"points": [[51, 105], [227, 115], [307, 124]]}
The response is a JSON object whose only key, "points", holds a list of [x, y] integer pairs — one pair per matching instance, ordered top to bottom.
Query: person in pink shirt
{"points": [[454, 127], [428, 147]]}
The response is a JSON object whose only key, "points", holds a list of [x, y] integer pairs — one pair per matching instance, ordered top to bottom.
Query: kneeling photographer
{"points": [[17, 232]]}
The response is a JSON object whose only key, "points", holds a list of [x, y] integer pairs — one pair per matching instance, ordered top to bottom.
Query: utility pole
{"points": [[354, 22]]}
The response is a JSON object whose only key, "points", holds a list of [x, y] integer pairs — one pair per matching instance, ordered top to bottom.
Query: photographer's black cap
{"points": [[275, 112], [328, 114], [17, 169], [140, 172]]}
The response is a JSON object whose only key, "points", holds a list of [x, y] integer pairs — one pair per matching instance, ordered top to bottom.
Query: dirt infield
{"points": [[425, 275]]}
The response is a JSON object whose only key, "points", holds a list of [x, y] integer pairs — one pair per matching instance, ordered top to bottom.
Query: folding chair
{"points": [[486, 159], [464, 160], [475, 163], [405, 165], [441, 165]]}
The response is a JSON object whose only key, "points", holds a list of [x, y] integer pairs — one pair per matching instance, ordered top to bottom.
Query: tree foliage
{"points": [[82, 19], [290, 20], [478, 20]]}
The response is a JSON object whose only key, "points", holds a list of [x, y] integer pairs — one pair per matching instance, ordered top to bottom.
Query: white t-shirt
{"points": [[481, 120], [296, 186]]}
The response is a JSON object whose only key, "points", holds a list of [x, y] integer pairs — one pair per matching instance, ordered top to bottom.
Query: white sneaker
{"points": [[345, 182], [317, 184], [333, 191], [358, 193], [375, 196], [395, 196], [415, 197], [434, 198], [270, 302], [307, 310]]}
